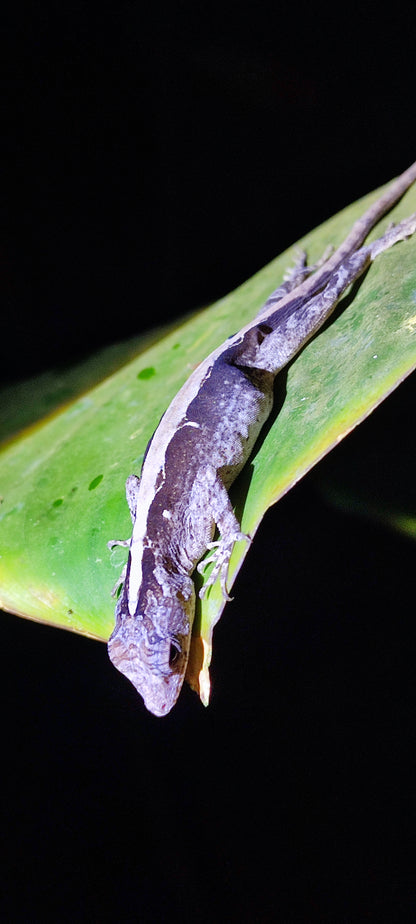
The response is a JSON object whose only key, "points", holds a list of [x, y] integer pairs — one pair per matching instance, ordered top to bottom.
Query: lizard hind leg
{"points": [[394, 233], [295, 275]]}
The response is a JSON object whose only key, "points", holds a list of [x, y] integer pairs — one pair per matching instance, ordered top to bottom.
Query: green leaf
{"points": [[373, 477], [62, 482]]}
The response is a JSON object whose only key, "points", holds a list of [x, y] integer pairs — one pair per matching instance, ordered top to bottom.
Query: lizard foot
{"points": [[111, 545], [221, 553]]}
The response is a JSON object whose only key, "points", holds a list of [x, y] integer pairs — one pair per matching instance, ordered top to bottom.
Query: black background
{"points": [[155, 158]]}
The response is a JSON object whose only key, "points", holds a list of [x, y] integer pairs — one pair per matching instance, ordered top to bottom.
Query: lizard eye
{"points": [[174, 652]]}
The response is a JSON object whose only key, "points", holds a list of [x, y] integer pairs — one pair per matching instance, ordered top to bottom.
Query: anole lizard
{"points": [[201, 444]]}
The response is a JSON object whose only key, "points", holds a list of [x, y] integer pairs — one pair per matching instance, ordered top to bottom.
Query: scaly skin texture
{"points": [[200, 446]]}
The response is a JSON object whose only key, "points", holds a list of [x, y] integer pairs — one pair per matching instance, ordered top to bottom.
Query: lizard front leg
{"points": [[294, 276], [132, 490], [229, 533]]}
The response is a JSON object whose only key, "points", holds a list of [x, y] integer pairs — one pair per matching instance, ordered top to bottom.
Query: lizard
{"points": [[201, 444]]}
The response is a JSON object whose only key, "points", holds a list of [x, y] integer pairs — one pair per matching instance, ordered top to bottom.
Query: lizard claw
{"points": [[221, 554]]}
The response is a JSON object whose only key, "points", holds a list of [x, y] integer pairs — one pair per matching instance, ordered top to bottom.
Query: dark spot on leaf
{"points": [[147, 373], [95, 482], [58, 502]]}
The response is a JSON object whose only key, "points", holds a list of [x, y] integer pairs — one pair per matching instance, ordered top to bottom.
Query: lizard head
{"points": [[151, 647]]}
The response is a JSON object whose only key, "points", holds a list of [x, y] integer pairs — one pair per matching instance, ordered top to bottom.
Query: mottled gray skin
{"points": [[202, 442], [151, 641]]}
